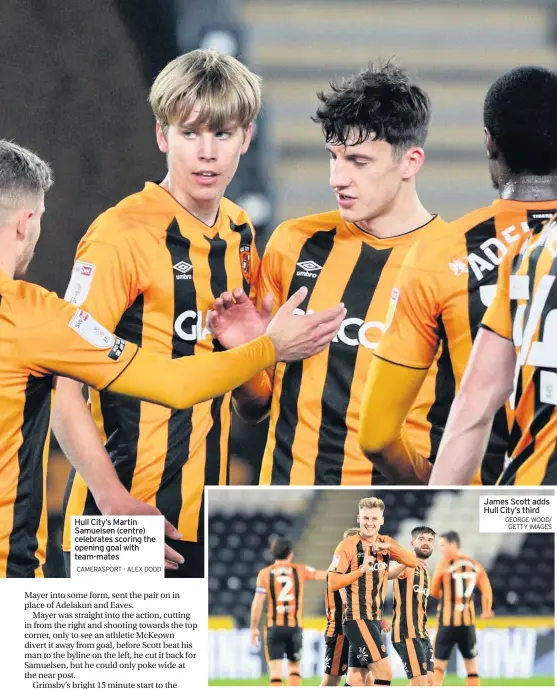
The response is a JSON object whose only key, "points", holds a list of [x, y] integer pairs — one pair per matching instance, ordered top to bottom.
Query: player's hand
{"points": [[235, 321], [301, 336], [123, 503], [381, 545], [369, 559], [421, 564], [487, 614], [386, 626], [255, 636]]}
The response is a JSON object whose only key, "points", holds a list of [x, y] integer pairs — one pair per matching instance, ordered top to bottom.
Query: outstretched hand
{"points": [[235, 321]]}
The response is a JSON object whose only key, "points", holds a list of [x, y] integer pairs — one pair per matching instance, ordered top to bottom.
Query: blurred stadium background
{"points": [[75, 78], [515, 647]]}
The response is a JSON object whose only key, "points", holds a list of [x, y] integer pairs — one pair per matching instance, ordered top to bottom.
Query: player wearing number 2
{"points": [[445, 287], [454, 583], [282, 584]]}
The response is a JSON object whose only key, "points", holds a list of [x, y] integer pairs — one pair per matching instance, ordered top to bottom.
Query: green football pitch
{"points": [[450, 681]]}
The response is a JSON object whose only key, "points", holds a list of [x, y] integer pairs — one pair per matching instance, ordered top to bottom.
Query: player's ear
{"points": [[248, 133], [162, 141], [490, 144], [412, 161], [21, 223]]}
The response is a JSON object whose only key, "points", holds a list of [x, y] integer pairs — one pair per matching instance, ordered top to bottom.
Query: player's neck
{"points": [[529, 188], [206, 212], [405, 214], [7, 257], [369, 539]]}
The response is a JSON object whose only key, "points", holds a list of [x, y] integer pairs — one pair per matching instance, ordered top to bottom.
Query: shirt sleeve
{"points": [[270, 274], [105, 278], [498, 318], [412, 334], [70, 342], [401, 555], [341, 560], [309, 573], [260, 584]]}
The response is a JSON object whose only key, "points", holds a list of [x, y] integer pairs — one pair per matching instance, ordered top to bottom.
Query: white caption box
{"points": [[527, 513], [117, 546]]}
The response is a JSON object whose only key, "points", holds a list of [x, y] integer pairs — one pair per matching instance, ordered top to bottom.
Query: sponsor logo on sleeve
{"points": [[80, 282], [395, 294], [90, 330], [117, 349], [334, 563]]}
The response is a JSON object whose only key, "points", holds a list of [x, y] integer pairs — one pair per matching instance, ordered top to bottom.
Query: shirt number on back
{"points": [[460, 578], [287, 583]]}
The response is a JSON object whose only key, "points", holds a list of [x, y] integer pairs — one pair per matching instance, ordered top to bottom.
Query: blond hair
{"points": [[222, 87], [22, 174], [371, 503], [351, 532]]}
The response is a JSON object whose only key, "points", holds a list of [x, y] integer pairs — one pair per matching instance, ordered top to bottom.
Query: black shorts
{"points": [[194, 561], [464, 637], [283, 641], [367, 644], [428, 648], [336, 655], [414, 656]]}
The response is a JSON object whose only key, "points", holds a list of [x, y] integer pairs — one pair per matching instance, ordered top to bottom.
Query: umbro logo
{"points": [[183, 269], [309, 269]]}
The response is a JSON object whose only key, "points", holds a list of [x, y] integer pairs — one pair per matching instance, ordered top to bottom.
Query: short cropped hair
{"points": [[222, 87], [379, 103], [519, 112], [22, 173], [371, 503], [419, 530], [351, 532], [451, 537], [281, 548]]}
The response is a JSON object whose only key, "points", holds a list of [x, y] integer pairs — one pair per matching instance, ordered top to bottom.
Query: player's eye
{"points": [[188, 133], [223, 135]]}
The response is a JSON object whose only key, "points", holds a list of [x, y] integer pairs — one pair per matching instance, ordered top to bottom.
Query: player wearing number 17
{"points": [[445, 287], [454, 583], [282, 584]]}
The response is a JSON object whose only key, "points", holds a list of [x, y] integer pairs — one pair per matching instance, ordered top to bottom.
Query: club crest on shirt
{"points": [[245, 261]]}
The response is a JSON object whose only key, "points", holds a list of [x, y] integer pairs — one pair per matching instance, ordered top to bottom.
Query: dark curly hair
{"points": [[379, 103], [520, 113]]}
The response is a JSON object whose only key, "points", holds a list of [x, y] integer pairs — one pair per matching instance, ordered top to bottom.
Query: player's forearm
{"points": [[181, 383], [389, 394], [252, 400], [464, 441], [82, 444], [401, 463], [405, 557], [396, 571], [340, 581], [255, 616]]}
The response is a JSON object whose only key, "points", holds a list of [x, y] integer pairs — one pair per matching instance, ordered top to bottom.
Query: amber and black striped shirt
{"points": [[150, 271], [444, 289], [525, 311], [40, 335], [313, 434], [454, 583], [283, 584], [411, 593], [365, 598], [334, 610]]}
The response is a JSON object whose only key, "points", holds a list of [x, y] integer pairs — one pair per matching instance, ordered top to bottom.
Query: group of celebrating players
{"points": [[381, 301], [356, 588]]}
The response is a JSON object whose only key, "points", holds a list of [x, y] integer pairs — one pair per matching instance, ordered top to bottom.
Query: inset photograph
{"points": [[377, 586]]}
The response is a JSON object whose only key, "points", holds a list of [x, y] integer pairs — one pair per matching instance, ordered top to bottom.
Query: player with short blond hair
{"points": [[150, 268], [361, 566]]}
